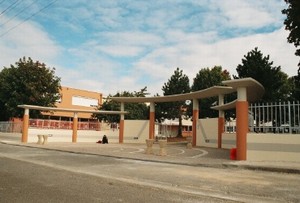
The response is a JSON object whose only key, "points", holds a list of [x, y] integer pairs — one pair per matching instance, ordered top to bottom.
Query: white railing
{"points": [[281, 117]]}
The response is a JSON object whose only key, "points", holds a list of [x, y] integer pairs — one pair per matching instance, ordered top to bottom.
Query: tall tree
{"points": [[292, 23], [206, 78], [27, 82], [275, 82], [177, 84], [136, 110]]}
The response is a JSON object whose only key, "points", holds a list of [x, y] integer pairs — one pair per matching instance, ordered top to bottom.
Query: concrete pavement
{"points": [[177, 153]]}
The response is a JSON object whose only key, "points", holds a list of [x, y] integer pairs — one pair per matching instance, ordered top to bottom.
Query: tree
{"points": [[292, 23], [258, 67], [206, 78], [27, 82], [177, 84], [136, 111]]}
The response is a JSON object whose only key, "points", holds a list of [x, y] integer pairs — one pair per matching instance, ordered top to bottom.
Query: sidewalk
{"points": [[177, 153]]}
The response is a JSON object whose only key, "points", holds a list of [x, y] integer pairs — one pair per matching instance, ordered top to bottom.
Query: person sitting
{"points": [[104, 140]]}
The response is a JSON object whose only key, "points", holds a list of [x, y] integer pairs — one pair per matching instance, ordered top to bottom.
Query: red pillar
{"points": [[152, 121], [195, 121], [221, 121], [241, 124], [25, 126], [75, 127], [121, 127]]}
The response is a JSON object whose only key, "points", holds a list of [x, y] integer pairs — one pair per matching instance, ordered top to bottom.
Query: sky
{"points": [[125, 45]]}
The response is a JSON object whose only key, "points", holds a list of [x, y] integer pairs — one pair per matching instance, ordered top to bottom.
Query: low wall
{"points": [[136, 131], [207, 132], [228, 140], [273, 147]]}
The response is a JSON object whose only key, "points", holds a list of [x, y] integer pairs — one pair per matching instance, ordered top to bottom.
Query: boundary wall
{"points": [[207, 135], [273, 147]]}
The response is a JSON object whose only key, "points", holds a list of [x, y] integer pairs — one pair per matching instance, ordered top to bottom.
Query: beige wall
{"points": [[136, 131], [207, 132], [228, 140], [273, 147]]}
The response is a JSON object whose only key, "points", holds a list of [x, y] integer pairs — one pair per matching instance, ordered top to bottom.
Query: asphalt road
{"points": [[39, 175]]}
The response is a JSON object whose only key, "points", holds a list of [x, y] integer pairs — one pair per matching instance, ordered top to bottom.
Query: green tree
{"points": [[292, 23], [207, 78], [27, 82], [177, 84], [276, 84], [136, 111]]}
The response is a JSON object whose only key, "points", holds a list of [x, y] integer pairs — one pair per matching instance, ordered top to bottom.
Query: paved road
{"points": [[26, 172]]}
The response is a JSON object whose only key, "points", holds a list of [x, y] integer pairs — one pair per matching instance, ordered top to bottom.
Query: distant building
{"points": [[75, 99]]}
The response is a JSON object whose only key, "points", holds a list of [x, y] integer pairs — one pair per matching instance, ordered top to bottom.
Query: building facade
{"points": [[76, 99]]}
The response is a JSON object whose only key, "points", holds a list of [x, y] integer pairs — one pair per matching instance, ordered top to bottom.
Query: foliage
{"points": [[292, 23], [207, 78], [27, 82], [276, 83], [177, 84], [136, 110]]}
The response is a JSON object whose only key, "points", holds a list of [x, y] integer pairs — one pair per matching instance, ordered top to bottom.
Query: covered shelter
{"points": [[248, 90], [75, 117]]}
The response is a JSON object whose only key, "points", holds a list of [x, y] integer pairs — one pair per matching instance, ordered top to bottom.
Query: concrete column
{"points": [[195, 120], [152, 121], [221, 121], [241, 124], [25, 126], [75, 127], [121, 127]]}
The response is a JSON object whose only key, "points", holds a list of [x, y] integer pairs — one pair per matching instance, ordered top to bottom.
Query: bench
{"points": [[43, 139]]}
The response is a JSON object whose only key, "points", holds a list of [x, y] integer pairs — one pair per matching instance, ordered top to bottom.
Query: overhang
{"points": [[255, 92], [206, 93], [43, 108]]}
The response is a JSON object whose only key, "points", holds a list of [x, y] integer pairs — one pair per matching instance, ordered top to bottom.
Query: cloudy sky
{"points": [[111, 46]]}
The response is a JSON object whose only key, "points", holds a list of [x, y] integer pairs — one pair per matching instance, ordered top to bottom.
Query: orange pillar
{"points": [[152, 121], [195, 121], [221, 121], [241, 124], [25, 126], [75, 126], [121, 127]]}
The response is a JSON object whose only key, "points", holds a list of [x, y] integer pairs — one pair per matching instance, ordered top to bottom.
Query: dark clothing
{"points": [[104, 140]]}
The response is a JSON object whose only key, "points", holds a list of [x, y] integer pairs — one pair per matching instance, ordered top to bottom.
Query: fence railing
{"points": [[281, 117], [10, 126]]}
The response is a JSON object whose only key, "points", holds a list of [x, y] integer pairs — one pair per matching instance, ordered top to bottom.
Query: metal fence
{"points": [[281, 117], [11, 127], [16, 127]]}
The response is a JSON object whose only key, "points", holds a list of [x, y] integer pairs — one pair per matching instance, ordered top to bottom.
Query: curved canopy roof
{"points": [[254, 92]]}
